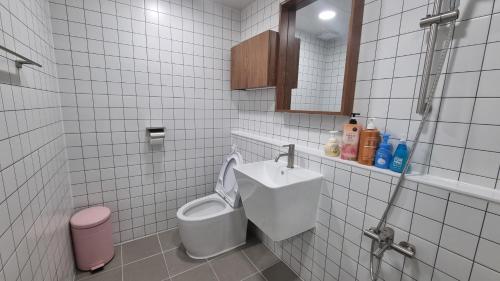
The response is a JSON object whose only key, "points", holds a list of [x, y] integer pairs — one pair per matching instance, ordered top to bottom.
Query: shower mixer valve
{"points": [[385, 238]]}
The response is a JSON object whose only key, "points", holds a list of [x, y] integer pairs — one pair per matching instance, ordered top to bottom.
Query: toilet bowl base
{"points": [[216, 254]]}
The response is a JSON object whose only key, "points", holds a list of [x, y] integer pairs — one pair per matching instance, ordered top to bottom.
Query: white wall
{"points": [[124, 66], [321, 73], [463, 146], [35, 196], [456, 236]]}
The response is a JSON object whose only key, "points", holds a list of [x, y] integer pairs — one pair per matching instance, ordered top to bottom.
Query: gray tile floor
{"points": [[161, 257]]}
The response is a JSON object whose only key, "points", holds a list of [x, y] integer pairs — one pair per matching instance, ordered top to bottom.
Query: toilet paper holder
{"points": [[156, 135]]}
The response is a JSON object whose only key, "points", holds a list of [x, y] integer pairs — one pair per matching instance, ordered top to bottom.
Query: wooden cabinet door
{"points": [[258, 61], [253, 62], [238, 66]]}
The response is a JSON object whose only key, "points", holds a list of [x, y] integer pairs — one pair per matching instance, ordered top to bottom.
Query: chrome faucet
{"points": [[290, 155]]}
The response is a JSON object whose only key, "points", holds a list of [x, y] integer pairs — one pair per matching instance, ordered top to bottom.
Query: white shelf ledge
{"points": [[468, 189]]}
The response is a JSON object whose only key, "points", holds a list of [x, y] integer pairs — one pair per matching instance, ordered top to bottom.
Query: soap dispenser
{"points": [[350, 139], [369, 139], [332, 147], [383, 156], [400, 157]]}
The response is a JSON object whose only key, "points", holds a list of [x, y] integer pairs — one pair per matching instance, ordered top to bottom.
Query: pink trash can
{"points": [[92, 238]]}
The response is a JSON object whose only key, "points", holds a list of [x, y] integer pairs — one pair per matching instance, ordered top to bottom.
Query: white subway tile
{"points": [[491, 58], [464, 218], [486, 254], [453, 264]]}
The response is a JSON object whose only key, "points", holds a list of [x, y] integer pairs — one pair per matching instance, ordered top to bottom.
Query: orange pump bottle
{"points": [[369, 139]]}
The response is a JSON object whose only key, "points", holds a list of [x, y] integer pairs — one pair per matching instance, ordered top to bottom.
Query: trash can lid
{"points": [[90, 217]]}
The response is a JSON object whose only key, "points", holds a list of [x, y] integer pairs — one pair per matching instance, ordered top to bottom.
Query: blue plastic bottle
{"points": [[383, 156], [400, 157]]}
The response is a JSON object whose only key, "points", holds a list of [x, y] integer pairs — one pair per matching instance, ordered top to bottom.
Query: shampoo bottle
{"points": [[350, 139], [369, 139], [332, 147], [383, 156], [400, 157]]}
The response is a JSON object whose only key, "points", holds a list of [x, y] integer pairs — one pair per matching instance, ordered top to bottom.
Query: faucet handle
{"points": [[289, 145]]}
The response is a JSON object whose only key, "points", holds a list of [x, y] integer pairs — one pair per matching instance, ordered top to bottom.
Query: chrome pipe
{"points": [[439, 19], [433, 21], [429, 57], [427, 111], [370, 233], [381, 234], [403, 248]]}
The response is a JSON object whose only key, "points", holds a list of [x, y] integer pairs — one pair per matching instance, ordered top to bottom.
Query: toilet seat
{"points": [[226, 186], [223, 201], [204, 208], [215, 224]]}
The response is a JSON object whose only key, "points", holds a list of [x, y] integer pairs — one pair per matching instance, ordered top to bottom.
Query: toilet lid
{"points": [[227, 187]]}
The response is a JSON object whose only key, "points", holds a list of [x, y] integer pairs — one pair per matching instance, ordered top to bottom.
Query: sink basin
{"points": [[281, 201]]}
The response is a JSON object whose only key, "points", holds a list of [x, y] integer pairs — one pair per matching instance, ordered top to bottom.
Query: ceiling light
{"points": [[327, 15]]}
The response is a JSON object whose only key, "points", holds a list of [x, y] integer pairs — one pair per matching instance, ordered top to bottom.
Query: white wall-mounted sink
{"points": [[281, 201]]}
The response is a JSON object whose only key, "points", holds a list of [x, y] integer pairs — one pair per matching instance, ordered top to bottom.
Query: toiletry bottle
{"points": [[350, 139], [369, 139], [332, 147], [383, 156], [400, 157]]}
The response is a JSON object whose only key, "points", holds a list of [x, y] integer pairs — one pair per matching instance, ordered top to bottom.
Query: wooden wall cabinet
{"points": [[254, 62]]}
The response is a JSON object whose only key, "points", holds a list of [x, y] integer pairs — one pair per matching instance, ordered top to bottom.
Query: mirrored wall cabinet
{"points": [[318, 55], [312, 62]]}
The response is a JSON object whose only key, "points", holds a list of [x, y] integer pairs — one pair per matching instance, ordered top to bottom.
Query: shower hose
{"points": [[376, 260], [375, 269]]}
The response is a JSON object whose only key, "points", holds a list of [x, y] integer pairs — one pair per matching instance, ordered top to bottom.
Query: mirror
{"points": [[318, 55]]}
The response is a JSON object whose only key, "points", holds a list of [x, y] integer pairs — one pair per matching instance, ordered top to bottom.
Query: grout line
{"points": [[480, 74], [440, 236], [138, 238], [478, 242], [170, 250], [162, 253], [163, 256], [141, 259], [280, 260], [121, 261], [251, 262], [191, 268], [104, 269], [213, 270], [252, 275]]}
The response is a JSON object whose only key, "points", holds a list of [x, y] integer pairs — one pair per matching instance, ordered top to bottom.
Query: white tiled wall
{"points": [[126, 65], [321, 73], [334, 75], [464, 127], [35, 195], [454, 234], [456, 237]]}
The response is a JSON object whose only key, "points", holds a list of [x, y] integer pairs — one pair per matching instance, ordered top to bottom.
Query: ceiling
{"points": [[237, 4], [336, 28]]}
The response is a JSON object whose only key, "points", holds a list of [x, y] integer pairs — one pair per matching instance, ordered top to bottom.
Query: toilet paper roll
{"points": [[157, 135], [156, 141]]}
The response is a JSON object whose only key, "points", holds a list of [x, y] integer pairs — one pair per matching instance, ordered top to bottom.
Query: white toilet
{"points": [[216, 223]]}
